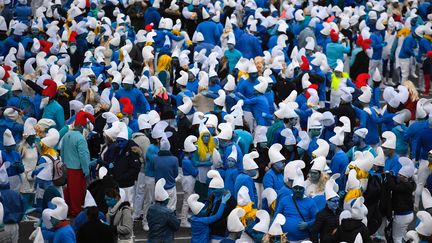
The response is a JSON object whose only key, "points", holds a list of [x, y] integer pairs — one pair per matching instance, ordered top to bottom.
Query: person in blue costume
{"points": [[23, 12], [152, 15], [211, 29], [164, 33], [248, 44], [409, 44], [202, 45], [377, 45], [336, 50], [232, 54], [135, 95], [21, 101], [259, 104], [51, 108], [304, 111], [367, 116], [400, 120], [7, 122], [328, 126], [414, 131], [243, 138], [424, 143], [359, 144], [227, 145], [10, 154], [339, 161], [391, 163], [231, 171], [247, 176], [274, 177], [13, 205], [81, 218], [300, 219], [200, 221], [63, 231]]}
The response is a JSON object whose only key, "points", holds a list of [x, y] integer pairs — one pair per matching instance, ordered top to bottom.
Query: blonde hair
{"points": [[164, 63], [413, 93], [203, 149], [268, 238]]}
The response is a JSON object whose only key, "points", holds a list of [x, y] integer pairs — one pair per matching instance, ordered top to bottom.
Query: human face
{"points": [[230, 47], [128, 86], [314, 132], [206, 138], [356, 140], [231, 163], [279, 166], [252, 173], [314, 176], [298, 192], [110, 201], [333, 203]]}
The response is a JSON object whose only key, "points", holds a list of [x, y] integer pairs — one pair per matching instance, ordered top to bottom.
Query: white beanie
{"points": [[8, 138], [52, 138], [390, 140], [274, 153], [248, 161], [408, 168], [216, 180], [160, 193], [194, 204], [61, 210], [234, 224], [275, 228]]}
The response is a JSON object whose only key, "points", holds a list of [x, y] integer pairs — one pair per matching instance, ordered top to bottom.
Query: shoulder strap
{"points": [[298, 211]]}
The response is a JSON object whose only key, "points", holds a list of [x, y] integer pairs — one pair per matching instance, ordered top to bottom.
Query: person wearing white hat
{"points": [[401, 118], [359, 143], [29, 154], [11, 155], [392, 159], [339, 161], [232, 169], [190, 172], [247, 176], [274, 176], [402, 186], [13, 205], [119, 213], [82, 217], [327, 219], [200, 221], [234, 224], [298, 224], [275, 232]]}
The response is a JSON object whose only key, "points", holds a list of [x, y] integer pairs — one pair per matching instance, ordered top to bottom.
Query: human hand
{"points": [[93, 162], [111, 165], [226, 196], [302, 225]]}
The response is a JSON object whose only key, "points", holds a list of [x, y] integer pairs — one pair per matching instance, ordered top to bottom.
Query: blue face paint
{"points": [[127, 86], [211, 130], [206, 138], [31, 139], [356, 140], [121, 142], [10, 148], [231, 163], [279, 166], [251, 173], [298, 191], [110, 201], [333, 203]]}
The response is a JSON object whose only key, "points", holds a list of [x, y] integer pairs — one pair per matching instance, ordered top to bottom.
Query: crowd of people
{"points": [[280, 121]]}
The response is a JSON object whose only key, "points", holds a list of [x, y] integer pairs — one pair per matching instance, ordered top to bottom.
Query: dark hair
{"points": [[111, 192], [92, 213]]}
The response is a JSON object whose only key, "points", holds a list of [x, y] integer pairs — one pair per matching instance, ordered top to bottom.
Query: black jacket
{"points": [[360, 65], [126, 162], [98, 188], [372, 197], [401, 197], [326, 221], [219, 227], [348, 230], [96, 232]]}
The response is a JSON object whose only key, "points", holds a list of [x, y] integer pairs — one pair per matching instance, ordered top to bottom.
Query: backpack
{"points": [[59, 177]]}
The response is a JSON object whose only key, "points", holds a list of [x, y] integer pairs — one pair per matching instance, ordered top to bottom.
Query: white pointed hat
{"points": [[339, 66], [376, 76], [183, 79], [305, 81], [230, 84], [261, 87], [366, 95], [220, 100], [421, 104], [186, 107], [402, 116], [314, 121], [143, 122], [346, 123], [29, 126], [113, 131], [123, 131], [226, 131], [361, 132], [289, 136], [339, 136], [8, 138], [52, 138], [304, 140], [390, 140], [189, 144], [323, 148], [233, 153], [274, 153], [380, 158], [248, 161], [365, 161], [319, 163], [407, 168], [290, 170], [102, 172], [4, 178], [216, 179], [299, 179], [352, 182], [331, 188], [160, 193], [270, 195], [243, 197], [426, 199], [89, 200], [194, 204], [61, 210], [359, 210], [264, 221], [234, 224], [425, 225], [276, 227], [358, 238]]}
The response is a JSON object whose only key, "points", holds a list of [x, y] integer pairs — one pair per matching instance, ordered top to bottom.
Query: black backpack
{"points": [[59, 171]]}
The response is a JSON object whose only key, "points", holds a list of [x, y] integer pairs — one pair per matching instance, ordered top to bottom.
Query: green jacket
{"points": [[74, 151]]}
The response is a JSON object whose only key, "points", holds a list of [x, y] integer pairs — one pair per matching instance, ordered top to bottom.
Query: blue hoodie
{"points": [[273, 180], [247, 181]]}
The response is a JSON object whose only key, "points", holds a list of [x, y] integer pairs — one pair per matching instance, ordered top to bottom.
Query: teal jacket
{"points": [[54, 111], [74, 151]]}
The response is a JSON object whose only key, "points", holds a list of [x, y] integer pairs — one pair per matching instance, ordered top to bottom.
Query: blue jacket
{"points": [[23, 12], [152, 15], [211, 31], [160, 38], [377, 45], [249, 46], [408, 46], [424, 46], [335, 51], [233, 57], [193, 86], [246, 88], [137, 98], [259, 105], [54, 111], [304, 112], [371, 123], [16, 129], [413, 133], [243, 139], [424, 144], [401, 145], [74, 151], [227, 151], [151, 153], [338, 164], [392, 164], [16, 166], [166, 166], [188, 167], [230, 179], [273, 180], [247, 181], [13, 205], [287, 207], [81, 219], [162, 223], [200, 225], [64, 234]]}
